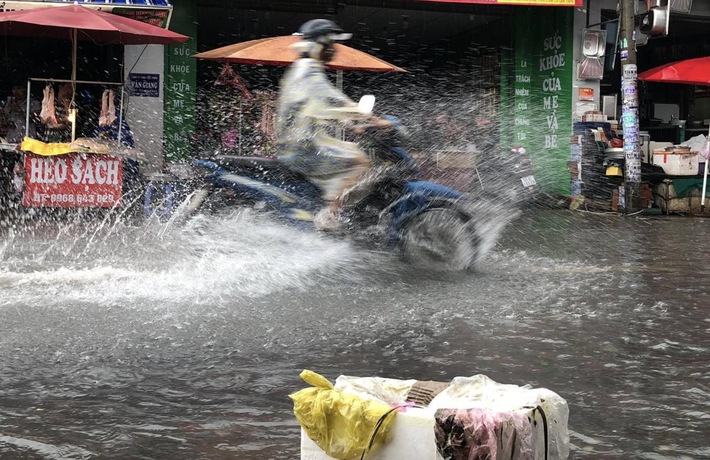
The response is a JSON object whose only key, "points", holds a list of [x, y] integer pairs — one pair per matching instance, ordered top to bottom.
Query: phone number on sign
{"points": [[70, 199]]}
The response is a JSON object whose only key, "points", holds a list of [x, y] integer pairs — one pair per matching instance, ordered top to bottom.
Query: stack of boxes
{"points": [[618, 198]]}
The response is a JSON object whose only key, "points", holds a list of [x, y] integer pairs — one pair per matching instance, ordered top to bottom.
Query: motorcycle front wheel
{"points": [[440, 239]]}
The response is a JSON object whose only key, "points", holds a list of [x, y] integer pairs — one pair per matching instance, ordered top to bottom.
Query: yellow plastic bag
{"points": [[80, 145], [44, 149], [341, 424]]}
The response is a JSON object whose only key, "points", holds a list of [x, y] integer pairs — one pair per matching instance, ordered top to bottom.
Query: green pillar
{"points": [[180, 82]]}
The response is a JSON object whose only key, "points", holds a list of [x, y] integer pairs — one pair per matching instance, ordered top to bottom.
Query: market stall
{"points": [[684, 160], [674, 169], [84, 172]]}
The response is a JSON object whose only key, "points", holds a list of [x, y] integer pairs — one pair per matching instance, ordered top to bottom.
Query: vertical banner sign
{"points": [[180, 82], [542, 108]]}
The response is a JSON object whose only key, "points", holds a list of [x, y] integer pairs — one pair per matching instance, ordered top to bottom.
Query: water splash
{"points": [[242, 254]]}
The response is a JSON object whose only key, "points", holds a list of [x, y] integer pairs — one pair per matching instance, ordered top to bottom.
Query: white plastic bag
{"points": [[697, 144], [388, 391]]}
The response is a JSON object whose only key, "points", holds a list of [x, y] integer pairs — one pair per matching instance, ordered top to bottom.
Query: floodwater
{"points": [[183, 343]]}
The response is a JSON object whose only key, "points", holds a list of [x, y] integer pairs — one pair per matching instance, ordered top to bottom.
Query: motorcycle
{"points": [[524, 189], [430, 224]]}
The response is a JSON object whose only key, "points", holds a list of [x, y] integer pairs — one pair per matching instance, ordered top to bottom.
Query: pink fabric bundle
{"points": [[479, 434]]}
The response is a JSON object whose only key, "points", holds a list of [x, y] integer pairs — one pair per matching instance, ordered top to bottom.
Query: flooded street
{"points": [[148, 343]]}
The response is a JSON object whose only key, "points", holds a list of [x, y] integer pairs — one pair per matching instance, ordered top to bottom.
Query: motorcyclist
{"points": [[309, 110]]}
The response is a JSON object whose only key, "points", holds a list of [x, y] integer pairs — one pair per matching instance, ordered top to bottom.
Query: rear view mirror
{"points": [[366, 104]]}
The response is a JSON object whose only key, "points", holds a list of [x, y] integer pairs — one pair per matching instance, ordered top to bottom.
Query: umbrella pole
{"points": [[75, 33], [27, 113], [120, 119], [705, 178]]}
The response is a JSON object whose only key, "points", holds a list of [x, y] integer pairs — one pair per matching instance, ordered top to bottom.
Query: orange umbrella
{"points": [[276, 51]]}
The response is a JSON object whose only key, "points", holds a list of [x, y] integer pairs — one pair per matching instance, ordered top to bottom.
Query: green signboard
{"points": [[153, 16], [180, 82], [541, 92]]}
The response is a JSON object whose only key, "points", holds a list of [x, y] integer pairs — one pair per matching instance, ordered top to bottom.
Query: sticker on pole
{"points": [[630, 71], [72, 181]]}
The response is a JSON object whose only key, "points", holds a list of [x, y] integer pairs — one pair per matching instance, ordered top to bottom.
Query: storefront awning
{"points": [[511, 2]]}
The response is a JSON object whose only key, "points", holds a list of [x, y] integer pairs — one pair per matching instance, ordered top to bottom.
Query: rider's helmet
{"points": [[323, 31], [317, 34]]}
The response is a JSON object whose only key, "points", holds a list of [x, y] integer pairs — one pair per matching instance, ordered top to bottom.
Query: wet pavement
{"points": [[154, 342]]}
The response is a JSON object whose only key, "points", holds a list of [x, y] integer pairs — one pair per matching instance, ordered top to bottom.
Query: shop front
{"points": [[462, 58], [478, 62], [538, 86], [672, 118], [74, 124]]}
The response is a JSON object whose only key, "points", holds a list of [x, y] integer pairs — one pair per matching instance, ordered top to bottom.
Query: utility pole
{"points": [[630, 106]]}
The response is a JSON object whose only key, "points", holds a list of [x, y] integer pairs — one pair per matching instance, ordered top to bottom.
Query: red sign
{"points": [[512, 2], [586, 94], [72, 181]]}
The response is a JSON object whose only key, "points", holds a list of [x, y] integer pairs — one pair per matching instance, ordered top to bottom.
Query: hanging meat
{"points": [[64, 99], [111, 107], [108, 109], [48, 116], [103, 116]]}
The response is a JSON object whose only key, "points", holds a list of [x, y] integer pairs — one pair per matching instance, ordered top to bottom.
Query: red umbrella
{"points": [[77, 22], [90, 24], [688, 72]]}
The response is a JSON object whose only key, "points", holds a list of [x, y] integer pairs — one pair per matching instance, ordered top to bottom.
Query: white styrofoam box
{"points": [[677, 164], [412, 434], [411, 437]]}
